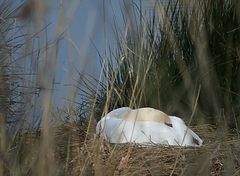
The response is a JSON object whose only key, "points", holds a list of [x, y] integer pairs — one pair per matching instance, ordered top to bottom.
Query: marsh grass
{"points": [[172, 54], [182, 58]]}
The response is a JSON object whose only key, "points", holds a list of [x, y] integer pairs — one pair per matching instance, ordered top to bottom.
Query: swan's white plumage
{"points": [[125, 125]]}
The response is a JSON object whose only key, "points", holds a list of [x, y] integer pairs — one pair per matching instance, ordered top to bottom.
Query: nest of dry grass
{"points": [[94, 156]]}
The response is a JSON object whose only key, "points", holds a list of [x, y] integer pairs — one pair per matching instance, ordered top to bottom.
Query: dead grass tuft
{"points": [[96, 156]]}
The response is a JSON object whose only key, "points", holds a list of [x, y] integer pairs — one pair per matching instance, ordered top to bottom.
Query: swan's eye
{"points": [[168, 124], [195, 141]]}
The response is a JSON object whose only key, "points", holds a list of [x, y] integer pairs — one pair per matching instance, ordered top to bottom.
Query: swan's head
{"points": [[185, 135]]}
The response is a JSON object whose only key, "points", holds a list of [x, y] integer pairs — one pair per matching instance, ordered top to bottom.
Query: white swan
{"points": [[146, 126]]}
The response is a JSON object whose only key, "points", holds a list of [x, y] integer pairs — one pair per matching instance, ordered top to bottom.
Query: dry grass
{"points": [[76, 156]]}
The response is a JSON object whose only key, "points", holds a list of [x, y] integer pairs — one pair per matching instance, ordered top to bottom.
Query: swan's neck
{"points": [[146, 114]]}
